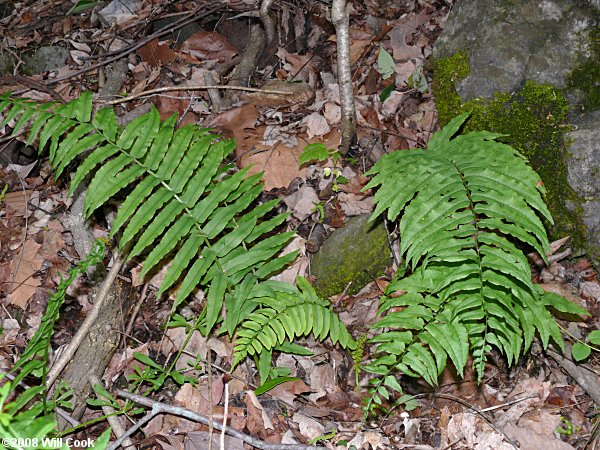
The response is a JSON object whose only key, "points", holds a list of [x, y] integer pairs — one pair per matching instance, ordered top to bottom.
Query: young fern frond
{"points": [[184, 203], [467, 205]]}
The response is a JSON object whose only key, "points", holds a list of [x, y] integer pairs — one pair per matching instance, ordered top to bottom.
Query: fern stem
{"points": [[479, 265]]}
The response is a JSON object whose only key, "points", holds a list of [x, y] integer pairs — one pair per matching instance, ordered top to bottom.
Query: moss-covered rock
{"points": [[531, 70], [534, 120], [353, 254]]}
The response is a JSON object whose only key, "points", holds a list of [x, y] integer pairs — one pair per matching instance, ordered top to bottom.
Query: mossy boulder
{"points": [[531, 69], [355, 253]]}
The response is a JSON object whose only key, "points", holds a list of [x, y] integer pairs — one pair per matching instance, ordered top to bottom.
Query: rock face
{"points": [[542, 47], [354, 253]]}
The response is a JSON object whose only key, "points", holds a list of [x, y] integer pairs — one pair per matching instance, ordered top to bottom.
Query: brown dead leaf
{"points": [[402, 32], [359, 43], [208, 45], [400, 49], [156, 53], [301, 67], [145, 77], [167, 105], [234, 122], [316, 125], [278, 162], [16, 202], [53, 243], [23, 266], [299, 267], [123, 363], [288, 391], [195, 399], [257, 416], [309, 427], [198, 440], [530, 440]]}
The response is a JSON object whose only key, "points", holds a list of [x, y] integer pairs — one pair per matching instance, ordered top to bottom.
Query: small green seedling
{"points": [[318, 152], [582, 350]]}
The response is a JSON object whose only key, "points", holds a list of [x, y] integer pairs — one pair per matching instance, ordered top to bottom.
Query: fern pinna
{"points": [[183, 203], [468, 204]]}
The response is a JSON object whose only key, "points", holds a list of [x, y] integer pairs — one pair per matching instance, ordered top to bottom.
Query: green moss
{"points": [[586, 78], [534, 120], [353, 254]]}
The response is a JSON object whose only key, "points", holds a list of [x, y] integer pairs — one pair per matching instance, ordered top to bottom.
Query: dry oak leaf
{"points": [[205, 45], [156, 53], [234, 122], [279, 163], [22, 268]]}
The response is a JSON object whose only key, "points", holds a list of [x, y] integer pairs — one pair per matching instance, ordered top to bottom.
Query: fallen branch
{"points": [[178, 24], [193, 88], [87, 324], [582, 376], [158, 408]]}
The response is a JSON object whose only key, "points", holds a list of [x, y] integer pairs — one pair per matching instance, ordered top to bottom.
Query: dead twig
{"points": [[197, 14], [178, 24], [31, 84], [193, 88], [159, 408], [225, 414], [211, 418], [113, 420]]}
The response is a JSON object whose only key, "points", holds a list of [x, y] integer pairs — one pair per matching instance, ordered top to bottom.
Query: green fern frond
{"points": [[182, 203], [467, 206], [285, 314]]}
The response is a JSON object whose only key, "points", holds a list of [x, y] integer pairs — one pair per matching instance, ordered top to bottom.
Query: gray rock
{"points": [[544, 41], [510, 42], [45, 59], [7, 63], [355, 253]]}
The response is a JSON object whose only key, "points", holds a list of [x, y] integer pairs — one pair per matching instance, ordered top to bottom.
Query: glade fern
{"points": [[183, 203], [468, 206]]}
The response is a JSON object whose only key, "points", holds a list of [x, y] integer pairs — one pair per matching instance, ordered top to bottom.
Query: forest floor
{"points": [[541, 397]]}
